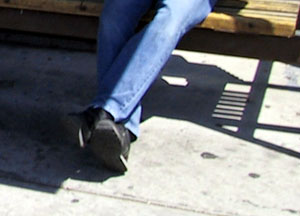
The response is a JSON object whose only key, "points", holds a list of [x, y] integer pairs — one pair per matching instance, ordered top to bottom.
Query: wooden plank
{"points": [[51, 5], [264, 5], [76, 7], [93, 8], [258, 13], [269, 17], [241, 24], [81, 28], [257, 46]]}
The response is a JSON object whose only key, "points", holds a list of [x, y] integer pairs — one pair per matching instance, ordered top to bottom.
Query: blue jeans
{"points": [[129, 61]]}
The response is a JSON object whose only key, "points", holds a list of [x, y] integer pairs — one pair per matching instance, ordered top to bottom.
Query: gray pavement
{"points": [[219, 137]]}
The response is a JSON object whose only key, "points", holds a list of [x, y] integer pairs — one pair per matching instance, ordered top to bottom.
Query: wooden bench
{"points": [[268, 17], [78, 18]]}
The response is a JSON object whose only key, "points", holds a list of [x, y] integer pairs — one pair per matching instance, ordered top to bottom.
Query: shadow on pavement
{"points": [[40, 88], [37, 91], [207, 102]]}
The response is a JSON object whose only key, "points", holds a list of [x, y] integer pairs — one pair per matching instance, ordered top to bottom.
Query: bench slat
{"points": [[263, 5], [75, 7], [91, 8], [94, 8], [259, 13], [269, 17], [240, 24]]}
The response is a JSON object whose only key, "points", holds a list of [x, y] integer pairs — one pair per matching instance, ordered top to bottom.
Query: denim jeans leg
{"points": [[117, 24], [143, 56]]}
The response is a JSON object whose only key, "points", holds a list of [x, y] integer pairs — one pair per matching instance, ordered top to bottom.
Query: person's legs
{"points": [[117, 24], [143, 56], [128, 64], [108, 140]]}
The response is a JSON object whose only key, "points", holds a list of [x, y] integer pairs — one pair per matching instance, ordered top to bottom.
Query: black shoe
{"points": [[109, 141]]}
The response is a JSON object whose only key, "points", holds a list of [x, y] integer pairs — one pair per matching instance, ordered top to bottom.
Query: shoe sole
{"points": [[106, 145]]}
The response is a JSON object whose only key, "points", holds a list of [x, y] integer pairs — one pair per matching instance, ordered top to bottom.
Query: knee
{"points": [[184, 14], [170, 21]]}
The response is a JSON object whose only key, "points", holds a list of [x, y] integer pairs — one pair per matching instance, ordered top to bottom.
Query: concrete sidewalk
{"points": [[220, 136]]}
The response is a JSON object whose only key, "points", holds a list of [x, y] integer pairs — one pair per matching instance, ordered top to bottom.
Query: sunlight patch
{"points": [[175, 81], [238, 88], [281, 108], [230, 128], [279, 138]]}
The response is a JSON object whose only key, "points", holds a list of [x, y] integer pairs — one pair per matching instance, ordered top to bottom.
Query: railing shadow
{"points": [[206, 102]]}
